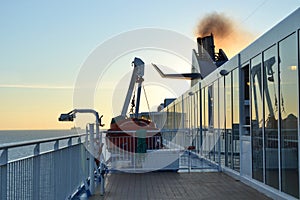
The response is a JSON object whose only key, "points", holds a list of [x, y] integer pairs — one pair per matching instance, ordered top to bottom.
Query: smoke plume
{"points": [[229, 35]]}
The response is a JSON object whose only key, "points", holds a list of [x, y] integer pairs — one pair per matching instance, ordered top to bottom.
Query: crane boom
{"points": [[136, 77]]}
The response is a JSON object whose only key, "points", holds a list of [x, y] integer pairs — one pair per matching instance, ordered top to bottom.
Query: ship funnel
{"points": [[207, 43], [205, 61]]}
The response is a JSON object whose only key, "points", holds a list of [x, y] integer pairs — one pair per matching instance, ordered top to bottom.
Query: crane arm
{"points": [[136, 77]]}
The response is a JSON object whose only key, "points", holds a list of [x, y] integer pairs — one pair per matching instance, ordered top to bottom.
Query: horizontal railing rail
{"points": [[32, 142]]}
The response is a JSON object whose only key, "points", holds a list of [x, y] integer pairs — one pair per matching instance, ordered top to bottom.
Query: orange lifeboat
{"points": [[130, 133]]}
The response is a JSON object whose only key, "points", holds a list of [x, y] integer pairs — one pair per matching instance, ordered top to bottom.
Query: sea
{"points": [[15, 136]]}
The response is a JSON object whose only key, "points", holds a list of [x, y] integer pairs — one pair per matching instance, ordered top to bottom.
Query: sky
{"points": [[44, 45]]}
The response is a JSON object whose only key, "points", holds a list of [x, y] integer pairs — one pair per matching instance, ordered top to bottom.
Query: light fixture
{"points": [[224, 72], [66, 117], [69, 117]]}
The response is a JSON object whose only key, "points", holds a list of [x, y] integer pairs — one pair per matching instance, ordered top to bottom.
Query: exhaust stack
{"points": [[208, 44], [205, 61]]}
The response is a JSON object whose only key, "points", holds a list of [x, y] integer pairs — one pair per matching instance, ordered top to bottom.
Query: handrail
{"points": [[149, 131], [31, 142]]}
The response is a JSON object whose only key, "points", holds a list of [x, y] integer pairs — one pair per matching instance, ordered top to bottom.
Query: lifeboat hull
{"points": [[133, 135]]}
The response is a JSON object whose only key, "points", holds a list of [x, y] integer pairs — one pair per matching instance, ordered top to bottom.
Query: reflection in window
{"points": [[245, 82], [288, 106], [271, 117], [236, 119], [256, 119]]}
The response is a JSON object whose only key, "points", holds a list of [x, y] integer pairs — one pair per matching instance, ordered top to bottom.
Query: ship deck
{"points": [[172, 185]]}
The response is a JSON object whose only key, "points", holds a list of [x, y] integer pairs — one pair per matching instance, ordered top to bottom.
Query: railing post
{"points": [[87, 136], [98, 136], [69, 142], [56, 145], [91, 159], [56, 161], [189, 161], [69, 164], [3, 171], [36, 172], [102, 178]]}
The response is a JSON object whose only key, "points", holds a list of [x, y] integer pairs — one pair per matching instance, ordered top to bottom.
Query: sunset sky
{"points": [[44, 45]]}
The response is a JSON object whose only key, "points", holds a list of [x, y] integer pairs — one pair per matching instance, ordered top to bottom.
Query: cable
{"points": [[254, 11], [147, 102]]}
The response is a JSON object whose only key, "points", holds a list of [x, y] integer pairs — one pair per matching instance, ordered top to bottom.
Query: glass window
{"points": [[246, 84], [188, 102], [204, 103], [216, 106], [210, 107], [288, 107], [196, 108], [205, 108], [172, 109], [193, 109], [185, 110], [245, 112], [197, 114], [178, 115], [193, 116], [221, 117], [271, 117], [169, 118], [256, 118], [236, 119], [197, 121], [228, 128], [210, 133]]}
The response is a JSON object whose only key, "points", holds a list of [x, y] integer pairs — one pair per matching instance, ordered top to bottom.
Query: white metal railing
{"points": [[212, 145], [170, 150], [128, 153], [66, 167], [53, 174]]}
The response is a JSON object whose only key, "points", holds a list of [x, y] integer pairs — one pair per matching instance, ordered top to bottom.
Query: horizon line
{"points": [[35, 86]]}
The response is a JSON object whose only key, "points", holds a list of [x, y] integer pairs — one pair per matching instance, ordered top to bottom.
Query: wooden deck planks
{"points": [[171, 185]]}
